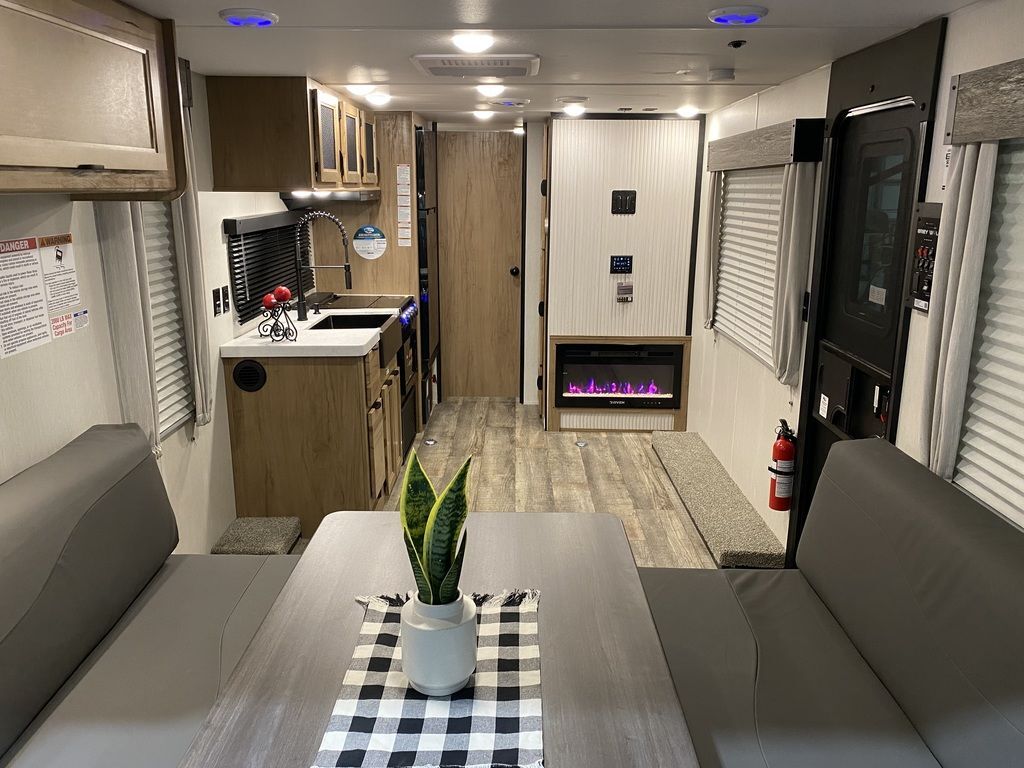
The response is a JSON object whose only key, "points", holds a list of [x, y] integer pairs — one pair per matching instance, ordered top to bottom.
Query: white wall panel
{"points": [[590, 158], [534, 236], [51, 394], [735, 401]]}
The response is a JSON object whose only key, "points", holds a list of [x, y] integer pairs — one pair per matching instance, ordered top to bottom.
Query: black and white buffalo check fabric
{"points": [[379, 721]]}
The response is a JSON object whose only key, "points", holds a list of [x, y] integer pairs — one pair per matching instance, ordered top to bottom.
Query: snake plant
{"points": [[432, 526]]}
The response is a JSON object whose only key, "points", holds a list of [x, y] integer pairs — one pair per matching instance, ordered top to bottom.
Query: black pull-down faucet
{"points": [[304, 222]]}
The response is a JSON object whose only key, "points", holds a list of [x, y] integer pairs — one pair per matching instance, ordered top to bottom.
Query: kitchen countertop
{"points": [[329, 342]]}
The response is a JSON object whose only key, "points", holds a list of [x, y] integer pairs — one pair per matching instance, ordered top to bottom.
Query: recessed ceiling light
{"points": [[737, 15], [249, 17], [472, 42], [360, 89], [490, 90], [378, 98], [574, 110], [687, 111], [483, 114], [519, 130]]}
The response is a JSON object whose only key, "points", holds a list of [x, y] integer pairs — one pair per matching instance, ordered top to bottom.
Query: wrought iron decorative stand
{"points": [[277, 324]]}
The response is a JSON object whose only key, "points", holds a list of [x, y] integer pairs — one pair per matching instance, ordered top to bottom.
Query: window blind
{"points": [[747, 251], [261, 261], [175, 401], [990, 463]]}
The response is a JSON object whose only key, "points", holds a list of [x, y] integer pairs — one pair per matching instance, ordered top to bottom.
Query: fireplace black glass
{"points": [[618, 375]]}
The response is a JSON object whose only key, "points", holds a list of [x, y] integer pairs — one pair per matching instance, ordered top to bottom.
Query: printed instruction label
{"points": [[369, 242], [39, 281], [876, 295], [823, 407]]}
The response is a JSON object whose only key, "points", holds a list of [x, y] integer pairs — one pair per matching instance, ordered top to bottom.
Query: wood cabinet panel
{"points": [[91, 98], [326, 114], [368, 134], [351, 144], [297, 446], [378, 447]]}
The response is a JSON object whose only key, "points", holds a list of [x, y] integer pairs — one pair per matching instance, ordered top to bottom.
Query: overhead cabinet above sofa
{"points": [[91, 100]]}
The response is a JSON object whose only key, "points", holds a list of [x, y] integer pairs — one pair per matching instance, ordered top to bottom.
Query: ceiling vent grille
{"points": [[478, 65]]}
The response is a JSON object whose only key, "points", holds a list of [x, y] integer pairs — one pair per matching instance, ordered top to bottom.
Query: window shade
{"points": [[747, 251], [261, 261], [175, 402], [990, 463]]}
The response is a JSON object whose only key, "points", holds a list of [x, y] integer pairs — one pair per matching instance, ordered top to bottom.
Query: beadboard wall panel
{"points": [[589, 159]]}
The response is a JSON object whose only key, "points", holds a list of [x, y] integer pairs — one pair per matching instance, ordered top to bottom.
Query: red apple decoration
{"points": [[282, 293], [269, 301]]}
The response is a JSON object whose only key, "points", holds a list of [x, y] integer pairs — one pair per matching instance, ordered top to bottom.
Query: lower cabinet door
{"points": [[375, 422]]}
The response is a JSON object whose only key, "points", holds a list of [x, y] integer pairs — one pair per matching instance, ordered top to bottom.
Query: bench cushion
{"points": [[81, 533], [929, 586], [766, 677], [140, 698]]}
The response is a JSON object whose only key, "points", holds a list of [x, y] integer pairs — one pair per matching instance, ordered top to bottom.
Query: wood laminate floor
{"points": [[518, 467]]}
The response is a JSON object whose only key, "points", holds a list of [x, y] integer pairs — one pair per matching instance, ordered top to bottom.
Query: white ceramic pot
{"points": [[439, 644]]}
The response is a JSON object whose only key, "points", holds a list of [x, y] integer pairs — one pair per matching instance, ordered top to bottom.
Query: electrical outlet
{"points": [[624, 201], [216, 302]]}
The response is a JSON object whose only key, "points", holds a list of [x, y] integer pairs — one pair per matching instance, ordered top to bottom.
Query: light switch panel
{"points": [[225, 299], [216, 302]]}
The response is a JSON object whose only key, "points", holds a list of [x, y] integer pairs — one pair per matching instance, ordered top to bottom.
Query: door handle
{"points": [[514, 271]]}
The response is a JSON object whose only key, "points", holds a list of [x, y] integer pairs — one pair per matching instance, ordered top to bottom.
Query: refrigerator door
{"points": [[426, 168], [430, 309]]}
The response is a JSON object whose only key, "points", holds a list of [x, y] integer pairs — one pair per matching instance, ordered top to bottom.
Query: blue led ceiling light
{"points": [[737, 15], [249, 17]]}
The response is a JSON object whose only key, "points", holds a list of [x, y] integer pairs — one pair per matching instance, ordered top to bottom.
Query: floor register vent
{"points": [[478, 65], [249, 376]]}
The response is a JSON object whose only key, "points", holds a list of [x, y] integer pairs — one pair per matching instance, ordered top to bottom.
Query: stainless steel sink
{"points": [[336, 322], [390, 330]]}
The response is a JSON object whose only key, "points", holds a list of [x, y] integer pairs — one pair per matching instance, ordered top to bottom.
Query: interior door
{"points": [[480, 236]]}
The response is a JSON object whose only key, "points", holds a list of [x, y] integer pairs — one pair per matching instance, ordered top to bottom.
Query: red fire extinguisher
{"points": [[782, 468]]}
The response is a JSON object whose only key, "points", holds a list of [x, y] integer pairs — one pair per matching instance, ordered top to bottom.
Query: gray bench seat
{"points": [[896, 643], [141, 696]]}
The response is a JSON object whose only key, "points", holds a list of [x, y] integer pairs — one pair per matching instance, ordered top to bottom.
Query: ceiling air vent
{"points": [[478, 65]]}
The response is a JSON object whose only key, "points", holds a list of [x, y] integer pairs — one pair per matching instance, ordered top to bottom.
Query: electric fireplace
{"points": [[618, 375]]}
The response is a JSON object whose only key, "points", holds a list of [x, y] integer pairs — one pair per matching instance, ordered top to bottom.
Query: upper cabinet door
{"points": [[81, 88], [325, 126], [368, 127], [351, 144]]}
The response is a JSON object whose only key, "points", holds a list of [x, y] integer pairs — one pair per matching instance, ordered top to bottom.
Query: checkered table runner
{"points": [[494, 722]]}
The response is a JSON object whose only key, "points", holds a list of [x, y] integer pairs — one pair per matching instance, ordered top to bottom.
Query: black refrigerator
{"points": [[430, 304]]}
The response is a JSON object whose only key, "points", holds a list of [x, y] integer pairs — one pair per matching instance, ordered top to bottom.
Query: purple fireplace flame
{"points": [[620, 388]]}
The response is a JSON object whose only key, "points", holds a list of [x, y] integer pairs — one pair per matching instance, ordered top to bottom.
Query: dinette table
{"points": [[607, 696]]}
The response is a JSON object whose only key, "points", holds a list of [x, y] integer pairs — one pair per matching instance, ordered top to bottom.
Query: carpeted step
{"points": [[735, 534], [258, 536]]}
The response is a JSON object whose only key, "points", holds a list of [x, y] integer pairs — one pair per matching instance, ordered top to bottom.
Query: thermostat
{"points": [[622, 265]]}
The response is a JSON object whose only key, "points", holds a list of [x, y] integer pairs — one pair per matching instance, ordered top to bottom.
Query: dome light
{"points": [[737, 15], [249, 17], [472, 42], [360, 89], [490, 90], [378, 98], [574, 110], [688, 111], [483, 114]]}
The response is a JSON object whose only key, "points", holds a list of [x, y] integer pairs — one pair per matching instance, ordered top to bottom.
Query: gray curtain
{"points": [[796, 227], [119, 228], [710, 255], [960, 257], [193, 283]]}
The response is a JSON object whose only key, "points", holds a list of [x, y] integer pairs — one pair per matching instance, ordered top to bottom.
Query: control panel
{"points": [[922, 257], [622, 265], [624, 293]]}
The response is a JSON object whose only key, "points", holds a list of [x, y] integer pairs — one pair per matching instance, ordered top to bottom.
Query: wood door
{"points": [[325, 128], [351, 144], [480, 232]]}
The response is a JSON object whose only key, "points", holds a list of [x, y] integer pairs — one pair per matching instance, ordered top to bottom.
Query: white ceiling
{"points": [[615, 53]]}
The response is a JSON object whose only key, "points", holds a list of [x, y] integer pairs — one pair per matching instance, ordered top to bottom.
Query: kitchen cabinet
{"points": [[92, 103], [326, 114], [279, 134], [368, 135], [351, 144], [393, 428]]}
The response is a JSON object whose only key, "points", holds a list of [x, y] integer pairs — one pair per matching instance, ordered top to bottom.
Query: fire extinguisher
{"points": [[782, 468]]}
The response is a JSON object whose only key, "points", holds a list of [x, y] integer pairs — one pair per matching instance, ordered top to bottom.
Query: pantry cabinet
{"points": [[92, 102]]}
